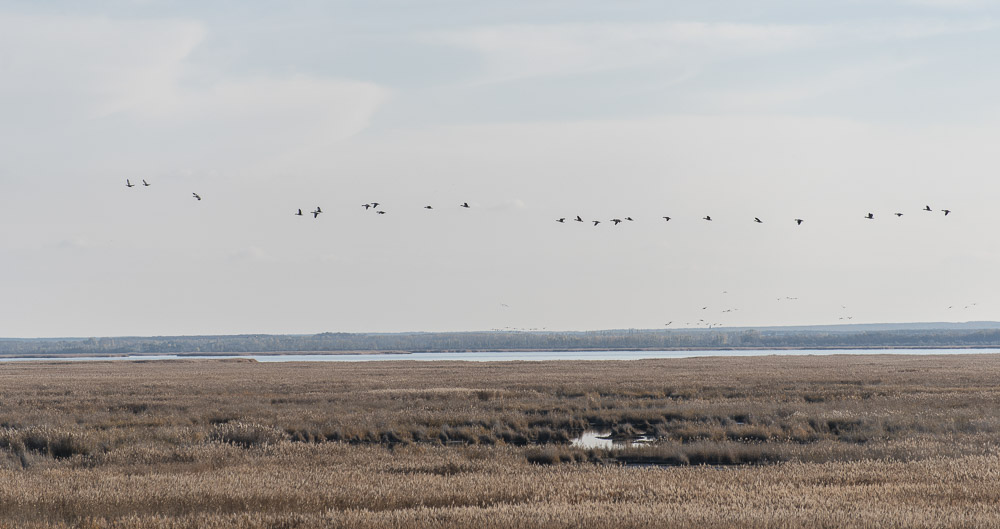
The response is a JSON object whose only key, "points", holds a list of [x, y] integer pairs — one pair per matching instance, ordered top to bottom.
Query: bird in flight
{"points": [[145, 183], [128, 184], [196, 195], [374, 204], [465, 204], [366, 206], [428, 207], [927, 208], [300, 212], [317, 212], [380, 212], [946, 212], [898, 214], [870, 216], [707, 217], [563, 219], [578, 219], [630, 219], [666, 219], [757, 220], [616, 221], [596, 222], [799, 222]]}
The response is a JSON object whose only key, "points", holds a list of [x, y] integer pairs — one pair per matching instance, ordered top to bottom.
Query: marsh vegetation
{"points": [[900, 441]]}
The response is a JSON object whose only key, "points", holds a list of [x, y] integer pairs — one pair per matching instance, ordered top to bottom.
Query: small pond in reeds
{"points": [[599, 439]]}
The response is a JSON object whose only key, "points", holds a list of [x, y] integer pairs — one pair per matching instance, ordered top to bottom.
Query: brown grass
{"points": [[888, 441]]}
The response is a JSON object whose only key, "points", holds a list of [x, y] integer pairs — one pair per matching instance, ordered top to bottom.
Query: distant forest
{"points": [[494, 341]]}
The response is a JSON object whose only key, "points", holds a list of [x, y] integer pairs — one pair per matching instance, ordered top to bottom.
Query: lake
{"points": [[507, 356]]}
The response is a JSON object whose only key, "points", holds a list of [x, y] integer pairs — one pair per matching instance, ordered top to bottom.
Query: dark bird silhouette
{"points": [[145, 183], [128, 184], [195, 195], [374, 204], [465, 204], [366, 206], [428, 207], [927, 208], [300, 212], [317, 212], [380, 212], [946, 212], [898, 214], [870, 216], [707, 217], [578, 219], [630, 219], [666, 219], [561, 220], [757, 220], [616, 221], [596, 222], [799, 222], [668, 323]]}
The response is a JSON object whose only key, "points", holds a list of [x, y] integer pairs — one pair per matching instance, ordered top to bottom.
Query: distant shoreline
{"points": [[969, 335], [228, 354]]}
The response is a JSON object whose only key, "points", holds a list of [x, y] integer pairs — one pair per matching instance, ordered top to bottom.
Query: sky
{"points": [[529, 111]]}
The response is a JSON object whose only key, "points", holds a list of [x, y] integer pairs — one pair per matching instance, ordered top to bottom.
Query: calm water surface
{"points": [[497, 356]]}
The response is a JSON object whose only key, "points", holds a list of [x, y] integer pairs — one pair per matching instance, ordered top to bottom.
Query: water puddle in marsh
{"points": [[598, 439]]}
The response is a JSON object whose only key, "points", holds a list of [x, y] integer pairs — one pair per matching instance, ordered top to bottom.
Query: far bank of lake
{"points": [[501, 356]]}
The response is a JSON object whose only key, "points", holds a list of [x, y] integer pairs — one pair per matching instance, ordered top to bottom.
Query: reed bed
{"points": [[761, 442]]}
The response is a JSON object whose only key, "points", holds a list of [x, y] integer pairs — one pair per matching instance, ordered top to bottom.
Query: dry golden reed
{"points": [[846, 441]]}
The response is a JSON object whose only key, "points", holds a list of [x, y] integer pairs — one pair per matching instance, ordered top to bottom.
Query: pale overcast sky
{"points": [[527, 110]]}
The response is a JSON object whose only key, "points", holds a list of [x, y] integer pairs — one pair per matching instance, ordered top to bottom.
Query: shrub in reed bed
{"points": [[751, 434], [246, 435], [305, 435], [392, 438], [57, 443], [699, 453], [666, 455], [542, 456]]}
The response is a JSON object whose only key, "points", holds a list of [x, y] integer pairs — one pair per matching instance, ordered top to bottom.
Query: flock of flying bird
{"points": [[128, 183], [371, 205], [374, 206], [616, 221], [798, 222]]}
